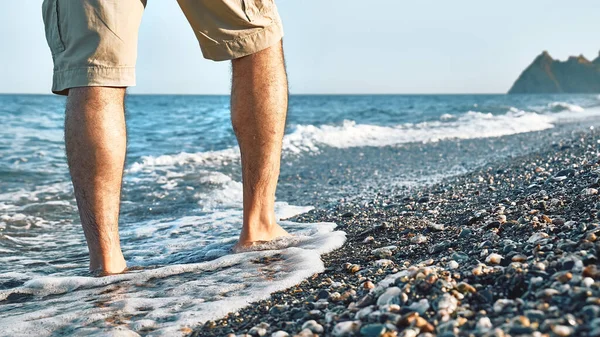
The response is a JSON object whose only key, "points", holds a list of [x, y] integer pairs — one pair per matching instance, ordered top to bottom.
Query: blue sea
{"points": [[181, 208]]}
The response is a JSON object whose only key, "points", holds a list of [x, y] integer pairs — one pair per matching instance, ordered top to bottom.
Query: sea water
{"points": [[182, 193]]}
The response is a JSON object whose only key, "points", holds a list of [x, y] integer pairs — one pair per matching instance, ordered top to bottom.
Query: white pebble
{"points": [[537, 237], [419, 238], [493, 258], [383, 263], [453, 265], [587, 282], [501, 304], [484, 324], [313, 326], [348, 328], [562, 330], [280, 333]]}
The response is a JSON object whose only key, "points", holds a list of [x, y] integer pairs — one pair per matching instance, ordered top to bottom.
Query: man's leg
{"points": [[259, 99], [95, 138]]}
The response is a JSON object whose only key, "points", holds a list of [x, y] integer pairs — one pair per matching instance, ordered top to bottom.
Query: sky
{"points": [[338, 46]]}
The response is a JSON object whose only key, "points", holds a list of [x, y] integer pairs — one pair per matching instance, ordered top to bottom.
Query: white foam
{"points": [[564, 106], [447, 117], [471, 125], [311, 138], [208, 158], [226, 192], [22, 221], [167, 299]]}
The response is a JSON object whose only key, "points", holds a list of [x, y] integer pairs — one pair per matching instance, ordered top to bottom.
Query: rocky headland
{"points": [[547, 75]]}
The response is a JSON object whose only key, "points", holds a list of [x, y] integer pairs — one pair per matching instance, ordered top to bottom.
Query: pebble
{"points": [[589, 191], [435, 227], [465, 233], [537, 237], [418, 239], [384, 252], [460, 256], [493, 258], [519, 258], [383, 263], [453, 265], [563, 277], [587, 282], [465, 288], [323, 294], [390, 296], [447, 304], [501, 304], [421, 306], [277, 310], [591, 311], [364, 312], [535, 315], [484, 324], [313, 326], [347, 328], [259, 330], [372, 330], [562, 330], [280, 333], [305, 333], [409, 333]]}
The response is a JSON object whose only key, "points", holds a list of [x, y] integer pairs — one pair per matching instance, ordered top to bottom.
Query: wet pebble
{"points": [[537, 237], [418, 239], [384, 252], [460, 256], [493, 258], [453, 264], [390, 296], [447, 304], [502, 304], [421, 306], [484, 324], [313, 326], [347, 328], [259, 330], [372, 330], [562, 330], [280, 333]]}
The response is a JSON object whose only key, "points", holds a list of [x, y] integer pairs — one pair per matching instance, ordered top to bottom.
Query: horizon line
{"points": [[291, 94]]}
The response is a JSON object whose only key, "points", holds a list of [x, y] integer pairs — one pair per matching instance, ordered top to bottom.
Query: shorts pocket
{"points": [[256, 9], [50, 14]]}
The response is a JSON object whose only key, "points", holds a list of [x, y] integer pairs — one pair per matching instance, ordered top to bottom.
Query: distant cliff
{"points": [[547, 75]]}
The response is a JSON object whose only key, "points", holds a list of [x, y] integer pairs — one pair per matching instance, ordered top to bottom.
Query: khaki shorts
{"points": [[94, 42]]}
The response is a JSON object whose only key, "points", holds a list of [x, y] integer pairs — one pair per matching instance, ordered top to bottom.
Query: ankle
{"points": [[261, 223], [107, 261]]}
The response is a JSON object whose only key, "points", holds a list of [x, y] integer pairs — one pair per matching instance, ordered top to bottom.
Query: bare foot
{"points": [[258, 236], [110, 266]]}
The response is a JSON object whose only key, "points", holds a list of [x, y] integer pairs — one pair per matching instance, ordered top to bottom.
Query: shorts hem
{"points": [[246, 45], [94, 76]]}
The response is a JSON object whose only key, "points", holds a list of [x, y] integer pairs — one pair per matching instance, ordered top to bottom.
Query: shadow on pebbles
{"points": [[510, 249]]}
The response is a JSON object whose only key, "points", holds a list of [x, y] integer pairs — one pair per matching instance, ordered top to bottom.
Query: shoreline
{"points": [[509, 248]]}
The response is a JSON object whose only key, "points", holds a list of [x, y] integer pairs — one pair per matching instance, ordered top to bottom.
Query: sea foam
{"points": [[311, 138], [167, 300]]}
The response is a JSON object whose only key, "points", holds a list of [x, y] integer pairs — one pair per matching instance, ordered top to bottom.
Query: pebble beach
{"points": [[509, 249]]}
